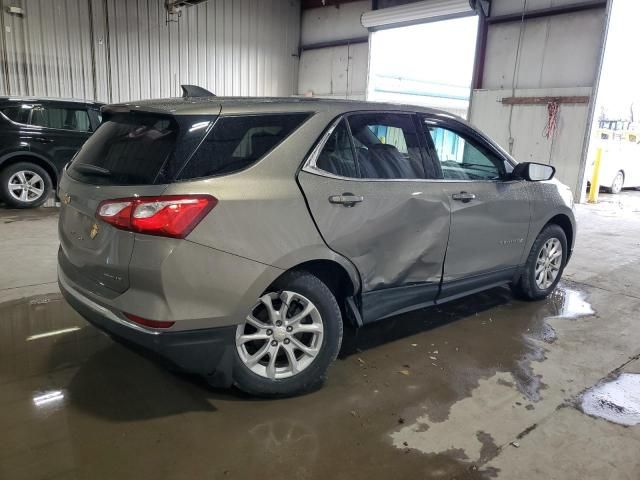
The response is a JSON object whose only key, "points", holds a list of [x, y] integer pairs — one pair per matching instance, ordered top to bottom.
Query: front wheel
{"points": [[544, 265], [289, 339]]}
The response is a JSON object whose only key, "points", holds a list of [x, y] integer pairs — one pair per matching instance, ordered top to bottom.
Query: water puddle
{"points": [[564, 303], [569, 303], [41, 334], [489, 352], [437, 381], [617, 401]]}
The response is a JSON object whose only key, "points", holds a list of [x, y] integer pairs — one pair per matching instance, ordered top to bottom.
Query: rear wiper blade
{"points": [[88, 168]]}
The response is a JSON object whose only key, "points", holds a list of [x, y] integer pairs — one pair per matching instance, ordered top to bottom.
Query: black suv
{"points": [[38, 137]]}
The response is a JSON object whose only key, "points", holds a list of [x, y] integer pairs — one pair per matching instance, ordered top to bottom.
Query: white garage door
{"points": [[417, 12]]}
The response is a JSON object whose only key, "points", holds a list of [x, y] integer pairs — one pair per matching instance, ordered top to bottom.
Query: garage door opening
{"points": [[430, 64], [615, 130]]}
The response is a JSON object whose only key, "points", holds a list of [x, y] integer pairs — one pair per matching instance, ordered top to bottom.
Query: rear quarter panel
{"points": [[12, 140], [191, 284]]}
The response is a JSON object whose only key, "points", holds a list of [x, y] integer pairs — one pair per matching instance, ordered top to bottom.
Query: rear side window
{"points": [[18, 114], [46, 116], [61, 118], [237, 142], [387, 146], [138, 149], [337, 154]]}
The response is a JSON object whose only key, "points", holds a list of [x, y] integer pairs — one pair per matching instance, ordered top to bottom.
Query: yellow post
{"points": [[595, 183]]}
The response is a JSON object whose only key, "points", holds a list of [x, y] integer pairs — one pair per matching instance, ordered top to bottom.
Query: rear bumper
{"points": [[207, 352]]}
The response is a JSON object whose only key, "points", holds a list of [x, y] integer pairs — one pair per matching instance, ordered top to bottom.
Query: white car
{"points": [[620, 166]]}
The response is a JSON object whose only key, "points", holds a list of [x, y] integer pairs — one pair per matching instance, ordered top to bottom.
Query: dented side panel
{"points": [[396, 236]]}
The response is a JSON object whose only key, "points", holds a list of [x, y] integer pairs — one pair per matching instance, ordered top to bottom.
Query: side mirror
{"points": [[533, 172]]}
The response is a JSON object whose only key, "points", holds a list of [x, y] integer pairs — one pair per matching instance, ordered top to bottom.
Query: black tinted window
{"points": [[18, 114], [61, 118], [236, 142], [387, 146], [137, 148], [337, 155]]}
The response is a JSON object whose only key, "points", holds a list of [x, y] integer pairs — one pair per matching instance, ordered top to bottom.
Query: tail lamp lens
{"points": [[116, 213], [168, 216]]}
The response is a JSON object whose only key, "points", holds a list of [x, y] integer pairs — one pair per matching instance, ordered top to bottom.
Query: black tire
{"points": [[9, 172], [526, 287], [314, 374]]}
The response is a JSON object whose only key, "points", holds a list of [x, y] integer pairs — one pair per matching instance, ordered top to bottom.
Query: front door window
{"points": [[461, 160]]}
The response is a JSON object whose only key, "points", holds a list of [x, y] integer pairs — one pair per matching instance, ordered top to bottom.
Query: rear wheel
{"points": [[617, 184], [25, 185], [544, 266], [289, 339]]}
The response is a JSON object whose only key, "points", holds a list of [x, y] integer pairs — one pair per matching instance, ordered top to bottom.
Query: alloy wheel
{"points": [[26, 186], [548, 263], [281, 336]]}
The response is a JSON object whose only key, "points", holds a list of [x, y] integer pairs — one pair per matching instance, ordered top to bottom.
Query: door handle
{"points": [[42, 140], [463, 196], [346, 199]]}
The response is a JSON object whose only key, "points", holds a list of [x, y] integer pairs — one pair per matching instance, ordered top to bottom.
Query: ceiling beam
{"points": [[306, 4], [548, 12], [544, 100]]}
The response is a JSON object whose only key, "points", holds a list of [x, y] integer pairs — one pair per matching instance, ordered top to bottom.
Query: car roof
{"points": [[19, 99], [247, 105]]}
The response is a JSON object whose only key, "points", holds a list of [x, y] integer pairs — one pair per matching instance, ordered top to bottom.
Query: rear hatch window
{"points": [[237, 142], [135, 148]]}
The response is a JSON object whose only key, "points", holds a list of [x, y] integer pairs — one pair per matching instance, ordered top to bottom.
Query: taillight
{"points": [[168, 216]]}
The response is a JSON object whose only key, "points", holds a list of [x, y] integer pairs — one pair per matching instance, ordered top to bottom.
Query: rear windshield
{"points": [[237, 142], [138, 149]]}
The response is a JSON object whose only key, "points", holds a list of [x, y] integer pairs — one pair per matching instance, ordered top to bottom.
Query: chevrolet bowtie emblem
{"points": [[93, 233]]}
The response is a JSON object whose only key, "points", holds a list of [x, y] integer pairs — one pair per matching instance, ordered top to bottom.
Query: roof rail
{"points": [[189, 91]]}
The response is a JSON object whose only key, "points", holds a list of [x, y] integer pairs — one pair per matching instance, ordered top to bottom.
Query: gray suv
{"points": [[235, 237]]}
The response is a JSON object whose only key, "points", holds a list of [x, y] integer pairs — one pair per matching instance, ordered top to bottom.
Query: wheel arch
{"points": [[34, 158], [564, 222], [340, 281]]}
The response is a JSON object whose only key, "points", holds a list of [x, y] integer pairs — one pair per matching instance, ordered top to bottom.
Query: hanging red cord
{"points": [[552, 119]]}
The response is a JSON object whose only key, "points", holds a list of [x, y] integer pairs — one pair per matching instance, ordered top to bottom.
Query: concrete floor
{"points": [[482, 388]]}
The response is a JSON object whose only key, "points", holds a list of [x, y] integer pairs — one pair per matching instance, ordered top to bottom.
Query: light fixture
{"points": [[13, 10], [48, 397]]}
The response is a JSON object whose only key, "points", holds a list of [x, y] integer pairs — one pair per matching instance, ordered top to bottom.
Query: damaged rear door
{"points": [[368, 187]]}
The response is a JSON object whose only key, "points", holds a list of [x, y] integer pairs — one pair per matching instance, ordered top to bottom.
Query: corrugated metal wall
{"points": [[117, 50]]}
